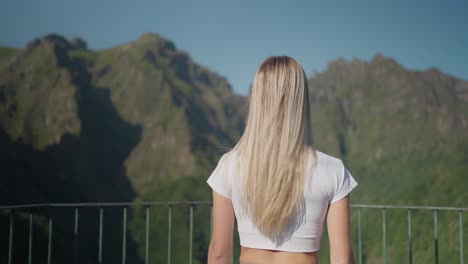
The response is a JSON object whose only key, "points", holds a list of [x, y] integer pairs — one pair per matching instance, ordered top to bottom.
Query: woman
{"points": [[279, 188]]}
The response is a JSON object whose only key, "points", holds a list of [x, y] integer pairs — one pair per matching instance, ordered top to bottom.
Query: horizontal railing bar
{"points": [[106, 204], [110, 204], [409, 207]]}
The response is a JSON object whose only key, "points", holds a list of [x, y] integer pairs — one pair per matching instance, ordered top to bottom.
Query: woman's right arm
{"points": [[220, 249], [341, 251]]}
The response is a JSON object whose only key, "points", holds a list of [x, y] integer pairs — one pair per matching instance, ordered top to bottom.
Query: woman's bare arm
{"points": [[220, 249], [341, 251]]}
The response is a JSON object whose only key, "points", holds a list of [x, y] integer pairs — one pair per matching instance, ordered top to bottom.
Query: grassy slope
{"points": [[5, 52]]}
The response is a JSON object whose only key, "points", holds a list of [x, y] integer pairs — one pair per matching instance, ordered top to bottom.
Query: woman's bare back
{"points": [[261, 256]]}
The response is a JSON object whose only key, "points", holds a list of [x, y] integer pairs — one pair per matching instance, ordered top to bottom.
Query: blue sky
{"points": [[233, 37]]}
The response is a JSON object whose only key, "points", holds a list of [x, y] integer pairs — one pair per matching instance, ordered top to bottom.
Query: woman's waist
{"points": [[284, 242], [263, 256]]}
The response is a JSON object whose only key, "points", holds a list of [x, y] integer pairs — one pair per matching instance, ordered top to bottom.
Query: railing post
{"points": [[28, 218], [101, 219], [460, 222], [384, 231], [169, 234], [191, 234], [124, 235], [147, 235], [359, 236], [75, 237], [30, 238], [10, 239], [410, 239], [436, 242], [49, 247]]}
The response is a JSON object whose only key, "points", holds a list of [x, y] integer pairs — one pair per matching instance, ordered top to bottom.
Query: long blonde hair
{"points": [[272, 152]]}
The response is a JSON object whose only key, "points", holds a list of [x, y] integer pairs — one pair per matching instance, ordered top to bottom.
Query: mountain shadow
{"points": [[88, 168]]}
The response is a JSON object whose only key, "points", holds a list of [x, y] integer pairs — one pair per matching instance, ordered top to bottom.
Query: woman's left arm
{"points": [[220, 249]]}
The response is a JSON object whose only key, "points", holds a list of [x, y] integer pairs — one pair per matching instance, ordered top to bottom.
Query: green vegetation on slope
{"points": [[5, 52], [132, 121], [143, 122], [403, 136]]}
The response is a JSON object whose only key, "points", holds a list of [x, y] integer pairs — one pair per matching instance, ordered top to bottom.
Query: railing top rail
{"points": [[171, 203], [106, 204], [409, 207]]}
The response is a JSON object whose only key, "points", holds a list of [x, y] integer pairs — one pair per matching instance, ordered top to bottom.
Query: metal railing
{"points": [[410, 210], [10, 211]]}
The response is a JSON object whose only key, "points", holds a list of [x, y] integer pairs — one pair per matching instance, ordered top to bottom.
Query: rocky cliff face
{"points": [[144, 105], [147, 107], [139, 121], [397, 128]]}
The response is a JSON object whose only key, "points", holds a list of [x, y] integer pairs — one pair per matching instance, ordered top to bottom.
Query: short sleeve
{"points": [[218, 179], [344, 184]]}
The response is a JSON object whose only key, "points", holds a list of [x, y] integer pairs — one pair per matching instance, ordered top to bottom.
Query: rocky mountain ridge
{"points": [[143, 122]]}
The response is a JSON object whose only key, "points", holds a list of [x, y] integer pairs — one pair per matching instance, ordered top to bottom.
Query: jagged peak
{"points": [[150, 36], [49, 39], [58, 40], [151, 40], [79, 43], [52, 46], [379, 59], [337, 61], [340, 61], [433, 69], [434, 74]]}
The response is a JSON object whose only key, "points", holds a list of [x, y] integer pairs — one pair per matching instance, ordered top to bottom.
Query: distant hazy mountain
{"points": [[405, 132], [404, 136]]}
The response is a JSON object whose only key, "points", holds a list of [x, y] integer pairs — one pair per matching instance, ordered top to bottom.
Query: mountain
{"points": [[173, 114], [143, 122], [119, 124], [399, 128], [403, 135]]}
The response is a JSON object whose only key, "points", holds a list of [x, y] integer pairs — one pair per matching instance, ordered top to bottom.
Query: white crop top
{"points": [[328, 183]]}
